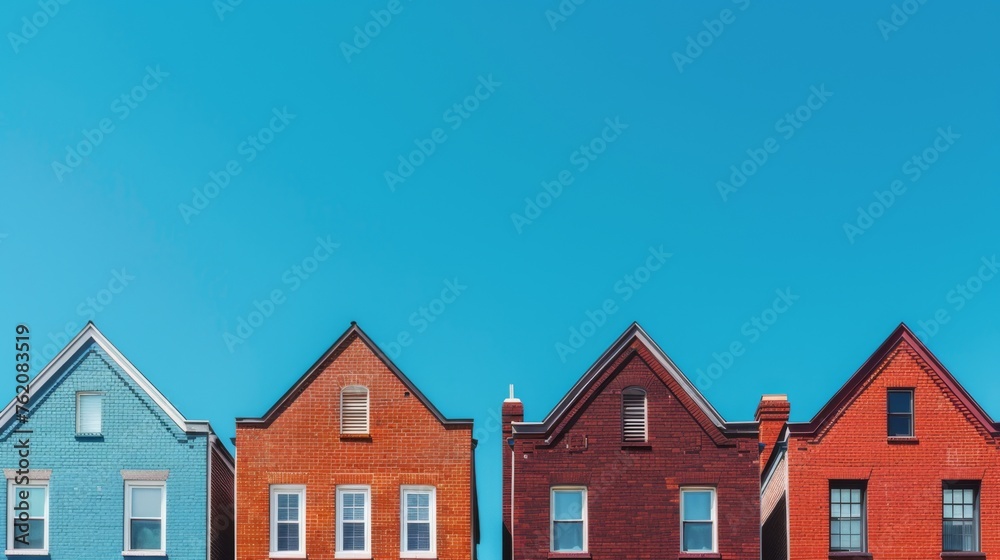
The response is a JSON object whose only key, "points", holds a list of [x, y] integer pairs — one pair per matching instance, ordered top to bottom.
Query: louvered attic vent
{"points": [[354, 410], [633, 415]]}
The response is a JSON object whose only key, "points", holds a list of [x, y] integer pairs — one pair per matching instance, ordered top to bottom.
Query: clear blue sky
{"points": [[641, 124]]}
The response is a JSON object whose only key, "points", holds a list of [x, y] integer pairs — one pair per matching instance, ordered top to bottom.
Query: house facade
{"points": [[355, 462], [632, 463], [901, 463], [100, 465]]}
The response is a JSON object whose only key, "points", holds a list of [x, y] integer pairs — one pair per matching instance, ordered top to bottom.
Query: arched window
{"points": [[354, 410], [633, 414]]}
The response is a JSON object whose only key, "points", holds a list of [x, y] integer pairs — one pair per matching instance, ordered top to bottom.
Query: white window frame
{"points": [[80, 394], [368, 409], [129, 485], [354, 488], [300, 490], [403, 492], [714, 516], [552, 517], [11, 551]]}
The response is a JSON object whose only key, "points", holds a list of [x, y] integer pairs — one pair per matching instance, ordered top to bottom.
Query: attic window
{"points": [[900, 405], [354, 410], [88, 413], [633, 415]]}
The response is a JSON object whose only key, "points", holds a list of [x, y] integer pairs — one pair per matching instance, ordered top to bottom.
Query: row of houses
{"points": [[353, 461]]}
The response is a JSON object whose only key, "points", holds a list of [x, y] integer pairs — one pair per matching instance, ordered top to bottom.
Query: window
{"points": [[354, 410], [900, 412], [88, 414], [633, 414], [145, 516], [847, 517], [961, 517], [28, 518], [698, 518], [569, 519], [288, 521], [353, 522], [418, 522]]}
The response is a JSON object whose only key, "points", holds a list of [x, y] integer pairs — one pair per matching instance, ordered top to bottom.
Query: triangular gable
{"points": [[354, 331], [635, 341], [60, 364], [855, 385]]}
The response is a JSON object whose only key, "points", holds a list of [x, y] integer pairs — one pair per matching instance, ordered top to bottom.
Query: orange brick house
{"points": [[354, 462], [901, 463]]}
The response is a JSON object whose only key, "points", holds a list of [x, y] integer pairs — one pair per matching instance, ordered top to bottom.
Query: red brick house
{"points": [[354, 462], [633, 463], [900, 464]]}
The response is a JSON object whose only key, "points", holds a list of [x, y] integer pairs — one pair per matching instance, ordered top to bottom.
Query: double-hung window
{"points": [[900, 412], [145, 517], [847, 517], [28, 518], [568, 519], [698, 520], [288, 521], [418, 523], [354, 526], [960, 532]]}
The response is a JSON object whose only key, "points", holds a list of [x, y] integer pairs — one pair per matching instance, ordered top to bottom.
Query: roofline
{"points": [[633, 332], [902, 333], [91, 334], [339, 344]]}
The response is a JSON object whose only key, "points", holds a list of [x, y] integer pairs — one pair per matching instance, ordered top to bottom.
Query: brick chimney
{"points": [[512, 411], [772, 414]]}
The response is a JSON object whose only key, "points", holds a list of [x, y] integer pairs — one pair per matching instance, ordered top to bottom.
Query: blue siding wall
{"points": [[86, 502]]}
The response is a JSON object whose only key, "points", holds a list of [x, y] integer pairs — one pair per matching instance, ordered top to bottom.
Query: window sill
{"points": [[90, 436], [355, 437], [903, 439], [636, 445], [26, 552], [144, 553], [274, 554], [353, 555], [555, 555], [698, 555], [851, 555], [981, 555]]}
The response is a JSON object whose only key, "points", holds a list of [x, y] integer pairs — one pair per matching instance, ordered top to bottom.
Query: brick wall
{"points": [[408, 445], [904, 479], [634, 491], [87, 498]]}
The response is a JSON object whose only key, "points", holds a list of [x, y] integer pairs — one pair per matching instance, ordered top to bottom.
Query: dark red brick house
{"points": [[633, 463], [901, 463]]}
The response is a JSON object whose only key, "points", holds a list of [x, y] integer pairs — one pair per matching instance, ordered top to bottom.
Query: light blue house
{"points": [[101, 466]]}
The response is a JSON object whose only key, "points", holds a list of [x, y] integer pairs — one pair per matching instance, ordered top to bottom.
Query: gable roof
{"points": [[354, 331], [619, 348], [59, 365], [846, 394]]}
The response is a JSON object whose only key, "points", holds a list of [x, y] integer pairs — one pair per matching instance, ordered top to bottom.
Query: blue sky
{"points": [[791, 179]]}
